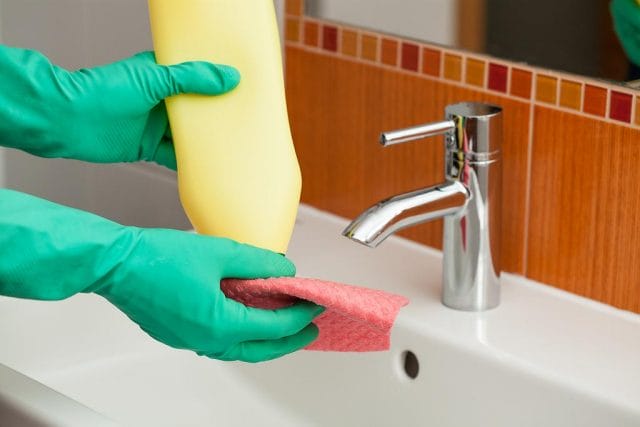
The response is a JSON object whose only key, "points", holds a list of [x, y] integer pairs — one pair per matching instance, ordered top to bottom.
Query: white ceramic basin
{"points": [[543, 358]]}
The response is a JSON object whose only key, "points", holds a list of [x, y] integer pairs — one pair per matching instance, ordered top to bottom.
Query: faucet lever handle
{"points": [[416, 132]]}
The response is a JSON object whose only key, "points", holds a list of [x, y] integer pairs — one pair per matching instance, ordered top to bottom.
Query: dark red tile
{"points": [[330, 38], [410, 56], [498, 77], [620, 108]]}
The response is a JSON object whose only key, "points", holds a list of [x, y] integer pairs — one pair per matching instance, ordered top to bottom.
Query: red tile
{"points": [[330, 38], [410, 56], [431, 62], [498, 77], [595, 100], [620, 108]]}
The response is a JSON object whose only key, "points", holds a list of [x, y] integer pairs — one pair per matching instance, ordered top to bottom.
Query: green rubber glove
{"points": [[626, 22], [108, 114], [166, 281]]}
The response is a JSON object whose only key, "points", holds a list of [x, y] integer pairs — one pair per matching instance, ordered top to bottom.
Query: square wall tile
{"points": [[294, 7], [292, 30], [311, 34], [330, 38], [349, 43], [369, 47], [389, 52], [409, 56], [431, 61], [452, 67], [475, 72], [498, 77], [521, 83], [546, 89], [571, 94], [595, 100], [620, 108]]}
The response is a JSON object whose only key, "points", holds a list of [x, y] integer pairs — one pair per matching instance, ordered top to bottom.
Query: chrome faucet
{"points": [[469, 200]]}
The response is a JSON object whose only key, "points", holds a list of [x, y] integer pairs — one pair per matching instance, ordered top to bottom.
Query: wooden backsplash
{"points": [[571, 202]]}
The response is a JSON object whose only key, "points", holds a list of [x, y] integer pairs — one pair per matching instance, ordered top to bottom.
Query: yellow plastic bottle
{"points": [[238, 174]]}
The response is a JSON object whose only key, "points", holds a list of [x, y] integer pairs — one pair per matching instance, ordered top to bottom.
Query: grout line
{"points": [[320, 36], [420, 59], [463, 69], [485, 78], [462, 84], [527, 196]]}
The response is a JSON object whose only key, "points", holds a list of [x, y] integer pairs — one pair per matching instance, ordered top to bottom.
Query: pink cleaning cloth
{"points": [[356, 319]]}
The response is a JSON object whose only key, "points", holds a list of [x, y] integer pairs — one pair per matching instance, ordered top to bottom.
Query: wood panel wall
{"points": [[571, 214]]}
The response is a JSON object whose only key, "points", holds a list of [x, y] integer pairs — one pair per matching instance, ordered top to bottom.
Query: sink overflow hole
{"points": [[410, 364]]}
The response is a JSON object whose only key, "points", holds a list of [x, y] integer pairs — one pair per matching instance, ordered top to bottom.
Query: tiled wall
{"points": [[571, 197]]}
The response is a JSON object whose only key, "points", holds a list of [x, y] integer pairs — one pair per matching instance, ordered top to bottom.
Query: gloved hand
{"points": [[626, 22], [108, 114], [166, 281]]}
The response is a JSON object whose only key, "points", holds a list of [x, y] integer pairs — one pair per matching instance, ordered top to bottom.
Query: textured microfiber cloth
{"points": [[356, 319]]}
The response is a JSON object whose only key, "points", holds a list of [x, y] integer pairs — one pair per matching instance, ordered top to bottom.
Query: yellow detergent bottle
{"points": [[238, 174]]}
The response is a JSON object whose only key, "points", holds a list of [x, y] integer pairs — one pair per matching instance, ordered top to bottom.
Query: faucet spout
{"points": [[381, 220]]}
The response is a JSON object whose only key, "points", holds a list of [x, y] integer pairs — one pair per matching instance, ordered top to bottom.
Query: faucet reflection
{"points": [[469, 200]]}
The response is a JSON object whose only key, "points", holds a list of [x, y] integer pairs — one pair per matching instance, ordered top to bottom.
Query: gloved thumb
{"points": [[196, 77]]}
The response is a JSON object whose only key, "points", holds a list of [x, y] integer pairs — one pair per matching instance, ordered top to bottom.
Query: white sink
{"points": [[543, 358]]}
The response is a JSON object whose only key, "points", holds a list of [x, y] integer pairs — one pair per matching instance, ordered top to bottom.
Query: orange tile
{"points": [[294, 7], [292, 30], [311, 34], [349, 42], [369, 47], [389, 52], [431, 62], [452, 67], [475, 72], [521, 83], [546, 89], [570, 94], [595, 100], [638, 110]]}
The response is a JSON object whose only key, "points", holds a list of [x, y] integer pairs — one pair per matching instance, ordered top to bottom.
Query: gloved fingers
{"points": [[626, 19], [198, 77], [156, 144], [165, 155], [241, 261], [259, 324], [261, 351]]}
